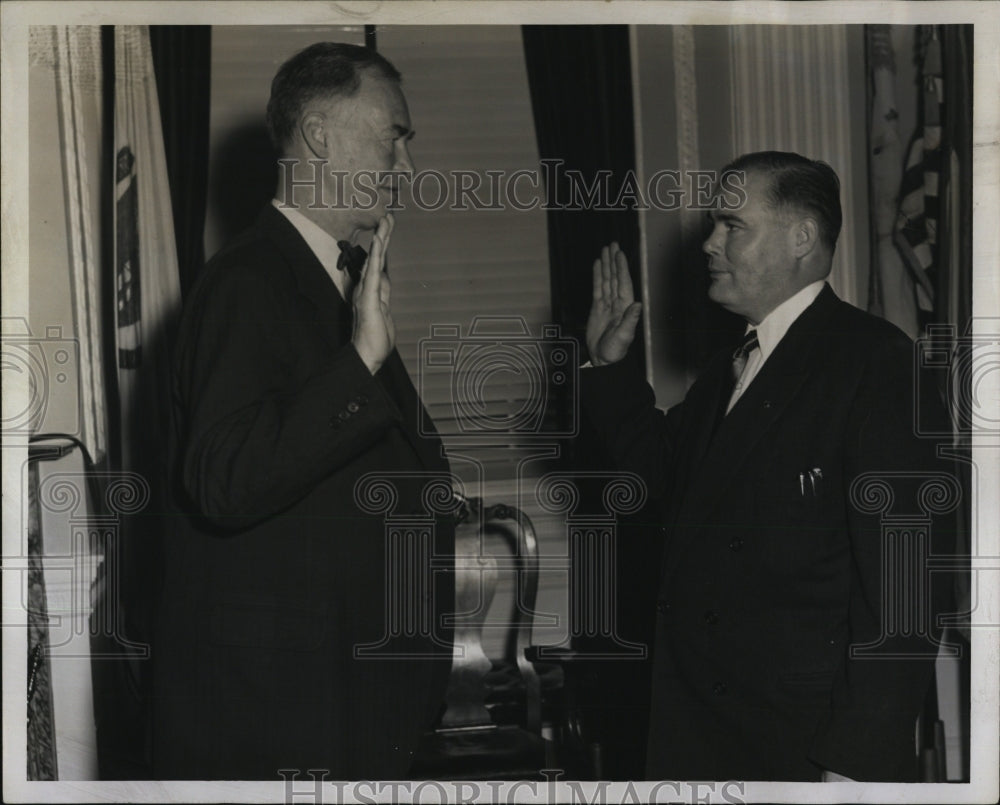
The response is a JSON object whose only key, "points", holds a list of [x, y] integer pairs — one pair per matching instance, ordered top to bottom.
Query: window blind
{"points": [[467, 91], [473, 283]]}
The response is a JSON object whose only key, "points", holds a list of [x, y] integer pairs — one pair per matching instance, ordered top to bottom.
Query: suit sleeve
{"points": [[258, 433], [638, 436], [869, 732]]}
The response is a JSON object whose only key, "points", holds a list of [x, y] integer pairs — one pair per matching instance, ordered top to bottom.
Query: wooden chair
{"points": [[471, 741]]}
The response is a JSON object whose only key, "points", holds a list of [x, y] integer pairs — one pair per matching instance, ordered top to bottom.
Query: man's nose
{"points": [[404, 163], [711, 244]]}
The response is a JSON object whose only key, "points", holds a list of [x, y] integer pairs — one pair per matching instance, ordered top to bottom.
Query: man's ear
{"points": [[313, 129], [805, 236]]}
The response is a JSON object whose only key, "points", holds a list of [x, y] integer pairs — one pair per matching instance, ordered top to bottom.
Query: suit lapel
{"points": [[321, 302], [703, 398], [718, 463]]}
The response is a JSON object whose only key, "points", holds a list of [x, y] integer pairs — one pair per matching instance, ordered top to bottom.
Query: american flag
{"points": [[916, 228]]}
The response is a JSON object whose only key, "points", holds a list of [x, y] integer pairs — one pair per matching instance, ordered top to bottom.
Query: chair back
{"points": [[476, 574]]}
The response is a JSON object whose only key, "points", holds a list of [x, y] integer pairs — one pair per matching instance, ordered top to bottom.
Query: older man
{"points": [[272, 647], [783, 649]]}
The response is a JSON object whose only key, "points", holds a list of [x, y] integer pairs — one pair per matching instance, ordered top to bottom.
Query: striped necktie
{"points": [[742, 352]]}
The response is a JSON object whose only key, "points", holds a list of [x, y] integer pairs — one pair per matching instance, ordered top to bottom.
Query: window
{"points": [[467, 91]]}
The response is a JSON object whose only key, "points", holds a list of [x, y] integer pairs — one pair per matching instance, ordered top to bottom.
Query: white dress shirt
{"points": [[322, 244], [770, 331]]}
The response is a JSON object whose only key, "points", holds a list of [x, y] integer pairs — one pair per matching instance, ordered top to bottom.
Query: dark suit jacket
{"points": [[274, 572], [765, 586]]}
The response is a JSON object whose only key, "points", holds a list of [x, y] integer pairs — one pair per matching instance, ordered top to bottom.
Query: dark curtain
{"points": [[182, 58], [579, 78], [581, 96], [955, 280], [953, 294]]}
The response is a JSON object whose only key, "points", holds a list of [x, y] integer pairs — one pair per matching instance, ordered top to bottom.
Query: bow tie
{"points": [[352, 258]]}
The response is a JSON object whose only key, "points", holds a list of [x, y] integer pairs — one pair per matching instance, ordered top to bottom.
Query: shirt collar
{"points": [[320, 242], [774, 326]]}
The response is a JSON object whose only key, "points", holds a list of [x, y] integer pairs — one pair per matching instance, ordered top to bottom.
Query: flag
{"points": [[916, 229], [147, 284], [890, 288], [147, 299]]}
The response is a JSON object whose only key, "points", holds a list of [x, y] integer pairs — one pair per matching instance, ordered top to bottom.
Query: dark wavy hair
{"points": [[325, 69], [807, 185]]}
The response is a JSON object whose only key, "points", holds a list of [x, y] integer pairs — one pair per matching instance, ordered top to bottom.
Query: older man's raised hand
{"points": [[614, 312], [374, 333]]}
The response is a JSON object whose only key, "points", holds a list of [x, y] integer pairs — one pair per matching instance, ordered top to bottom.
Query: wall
{"points": [[682, 80], [693, 118], [241, 172], [68, 575]]}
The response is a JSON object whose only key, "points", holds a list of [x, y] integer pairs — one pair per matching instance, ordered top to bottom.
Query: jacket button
{"points": [[767, 403], [353, 407], [343, 416], [736, 544], [662, 607], [711, 618], [719, 689]]}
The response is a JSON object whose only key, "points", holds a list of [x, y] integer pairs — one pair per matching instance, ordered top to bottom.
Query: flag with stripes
{"points": [[916, 228], [147, 282], [890, 288], [128, 302]]}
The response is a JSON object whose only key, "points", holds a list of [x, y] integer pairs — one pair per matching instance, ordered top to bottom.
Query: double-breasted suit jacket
{"points": [[772, 568], [275, 571]]}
